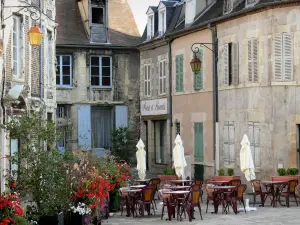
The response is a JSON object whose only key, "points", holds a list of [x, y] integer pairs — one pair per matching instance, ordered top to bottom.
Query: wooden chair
{"points": [[154, 182], [234, 182], [195, 187], [258, 191], [290, 191], [122, 194], [238, 195], [210, 196], [146, 199], [192, 201], [167, 202]]}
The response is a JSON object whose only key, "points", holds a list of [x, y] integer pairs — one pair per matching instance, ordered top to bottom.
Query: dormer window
{"points": [[250, 3], [228, 6], [98, 15], [162, 22], [150, 30]]}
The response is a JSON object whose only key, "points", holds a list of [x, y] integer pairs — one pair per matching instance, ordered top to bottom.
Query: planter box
{"points": [[165, 178], [225, 178], [287, 178], [48, 220]]}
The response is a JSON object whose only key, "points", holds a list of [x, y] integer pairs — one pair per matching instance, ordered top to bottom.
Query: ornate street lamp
{"points": [[35, 36], [196, 64]]}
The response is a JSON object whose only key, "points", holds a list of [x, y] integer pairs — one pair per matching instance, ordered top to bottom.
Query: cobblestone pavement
{"points": [[266, 215]]}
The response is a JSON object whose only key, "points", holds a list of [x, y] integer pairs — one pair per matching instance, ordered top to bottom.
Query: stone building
{"points": [[97, 73], [27, 80]]}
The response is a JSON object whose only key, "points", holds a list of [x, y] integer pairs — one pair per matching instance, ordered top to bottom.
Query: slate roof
{"points": [[71, 29]]}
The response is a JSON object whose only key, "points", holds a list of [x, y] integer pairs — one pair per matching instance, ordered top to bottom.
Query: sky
{"points": [[139, 9]]}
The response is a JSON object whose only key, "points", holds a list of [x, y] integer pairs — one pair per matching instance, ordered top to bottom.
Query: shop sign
{"points": [[154, 107]]}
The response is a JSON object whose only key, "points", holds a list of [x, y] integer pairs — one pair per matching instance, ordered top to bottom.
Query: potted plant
{"points": [[292, 171], [221, 172], [230, 172], [281, 172], [10, 208]]}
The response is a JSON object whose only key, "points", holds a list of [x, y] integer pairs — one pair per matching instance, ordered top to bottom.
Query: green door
{"points": [[198, 142]]}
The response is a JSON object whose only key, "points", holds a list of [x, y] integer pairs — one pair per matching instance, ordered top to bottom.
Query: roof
{"points": [[71, 30]]}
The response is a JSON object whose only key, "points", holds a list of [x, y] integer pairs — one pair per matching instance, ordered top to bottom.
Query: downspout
{"points": [[41, 54], [215, 97], [170, 99]]}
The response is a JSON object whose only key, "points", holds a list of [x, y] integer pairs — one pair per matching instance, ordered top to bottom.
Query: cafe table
{"points": [[146, 181], [181, 182], [220, 182], [137, 186], [275, 187], [177, 188], [219, 194], [131, 200], [178, 201]]}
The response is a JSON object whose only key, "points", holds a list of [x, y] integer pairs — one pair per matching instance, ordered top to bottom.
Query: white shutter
{"points": [[287, 40], [277, 57], [255, 59], [235, 63], [226, 66], [250, 73], [145, 80], [250, 137], [226, 143], [231, 143], [256, 156]]}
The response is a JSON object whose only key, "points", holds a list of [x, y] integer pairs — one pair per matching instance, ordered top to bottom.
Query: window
{"points": [[251, 2], [228, 6], [98, 15], [162, 22], [150, 31], [17, 47], [50, 57], [283, 57], [253, 60], [231, 64], [64, 70], [101, 71], [179, 73], [162, 77], [198, 77], [147, 80], [63, 111], [49, 116], [177, 128], [160, 138], [254, 139], [198, 142], [228, 143]]}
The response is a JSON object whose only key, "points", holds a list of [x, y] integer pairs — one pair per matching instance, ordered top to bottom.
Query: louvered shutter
{"points": [[277, 57], [255, 59], [235, 63], [226, 66], [288, 67], [250, 73], [177, 74], [181, 74], [160, 77], [165, 77], [198, 77], [145, 80], [149, 80], [84, 126], [251, 138], [198, 140], [256, 140], [226, 143], [231, 143]]}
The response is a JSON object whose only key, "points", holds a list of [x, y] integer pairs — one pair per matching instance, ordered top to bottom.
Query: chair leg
{"points": [[287, 199], [296, 199], [254, 200], [154, 202], [207, 205], [152, 208], [200, 211], [162, 212]]}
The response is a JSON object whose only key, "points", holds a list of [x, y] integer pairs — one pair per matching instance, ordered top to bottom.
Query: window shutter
{"points": [[277, 57], [255, 59], [235, 63], [226, 66], [288, 66], [177, 74], [181, 74], [160, 75], [165, 77], [198, 77], [250, 78], [145, 80], [121, 116], [84, 126], [250, 137], [198, 139], [225, 143], [231, 143], [256, 156]]}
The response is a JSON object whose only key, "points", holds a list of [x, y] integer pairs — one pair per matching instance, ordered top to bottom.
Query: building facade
{"points": [[28, 74], [97, 75]]}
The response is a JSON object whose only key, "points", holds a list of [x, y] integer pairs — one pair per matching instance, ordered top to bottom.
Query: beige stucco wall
{"points": [[274, 105], [193, 106]]}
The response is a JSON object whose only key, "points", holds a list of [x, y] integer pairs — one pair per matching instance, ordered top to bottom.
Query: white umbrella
{"points": [[178, 157], [141, 159], [246, 160]]}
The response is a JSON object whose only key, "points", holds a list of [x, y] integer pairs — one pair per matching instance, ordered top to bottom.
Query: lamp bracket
{"points": [[35, 11], [196, 47]]}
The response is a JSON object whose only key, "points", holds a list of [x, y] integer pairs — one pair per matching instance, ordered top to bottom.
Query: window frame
{"points": [[251, 4], [230, 6], [98, 7], [162, 21], [150, 29], [19, 47], [49, 57], [61, 71], [100, 71], [162, 75], [148, 80], [229, 143], [255, 144]]}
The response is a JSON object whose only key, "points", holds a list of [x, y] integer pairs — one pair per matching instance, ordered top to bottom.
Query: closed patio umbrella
{"points": [[178, 157], [141, 159], [246, 160]]}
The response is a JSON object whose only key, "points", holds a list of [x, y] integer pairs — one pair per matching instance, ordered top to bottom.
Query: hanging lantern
{"points": [[35, 36], [196, 64]]}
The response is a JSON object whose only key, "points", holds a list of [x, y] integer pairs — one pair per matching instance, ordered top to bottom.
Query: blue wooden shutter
{"points": [[181, 73], [177, 74], [198, 77], [121, 116], [84, 126], [198, 142], [14, 149]]}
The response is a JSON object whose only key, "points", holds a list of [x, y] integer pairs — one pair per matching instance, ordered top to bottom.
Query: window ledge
{"points": [[64, 87], [100, 88]]}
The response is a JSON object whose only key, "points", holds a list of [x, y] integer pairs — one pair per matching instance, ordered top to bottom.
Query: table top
{"points": [[146, 180], [181, 181], [220, 181], [273, 182], [137, 186], [178, 187], [221, 187], [133, 190], [176, 192]]}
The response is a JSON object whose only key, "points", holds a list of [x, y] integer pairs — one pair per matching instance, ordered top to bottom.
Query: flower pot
{"points": [[114, 203], [73, 219], [48, 220]]}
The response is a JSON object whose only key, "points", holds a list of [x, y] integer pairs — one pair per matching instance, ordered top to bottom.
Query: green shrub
{"points": [[169, 171], [292, 171], [221, 172], [230, 172], [281, 172], [21, 221]]}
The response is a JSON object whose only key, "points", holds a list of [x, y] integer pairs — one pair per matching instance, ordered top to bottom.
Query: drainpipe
{"points": [[41, 54], [215, 97], [170, 99]]}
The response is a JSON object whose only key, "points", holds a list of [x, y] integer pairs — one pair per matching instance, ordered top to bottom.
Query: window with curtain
{"points": [[101, 71]]}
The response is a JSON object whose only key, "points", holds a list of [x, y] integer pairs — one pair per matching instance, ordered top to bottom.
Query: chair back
{"points": [[208, 181], [154, 182], [199, 182], [234, 182], [292, 184], [256, 185], [195, 187], [122, 191], [209, 191], [239, 191], [148, 194], [162, 194], [194, 197]]}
